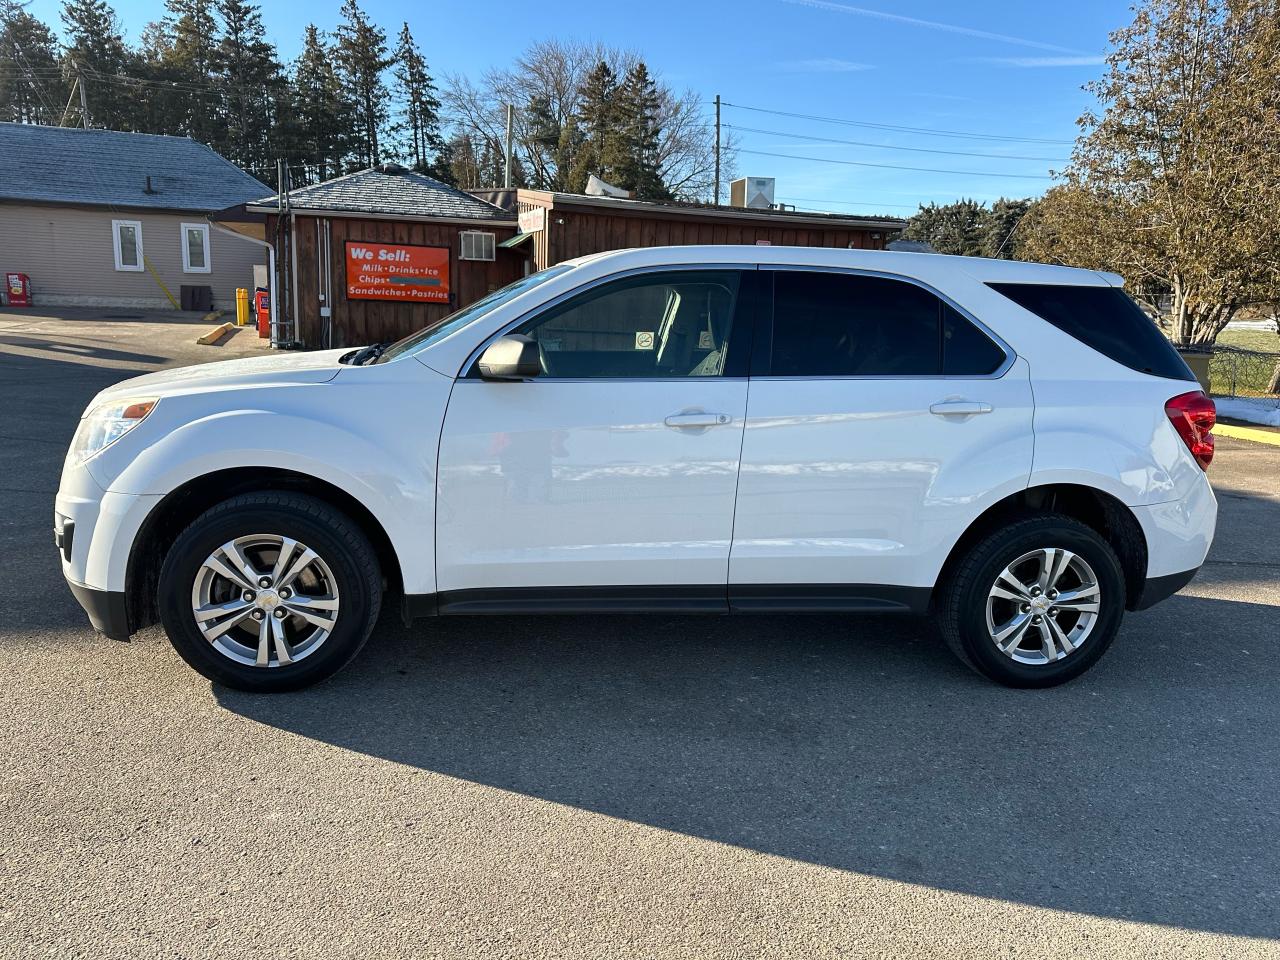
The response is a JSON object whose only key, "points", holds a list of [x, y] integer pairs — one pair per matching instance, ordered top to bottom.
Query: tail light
{"points": [[1193, 416]]}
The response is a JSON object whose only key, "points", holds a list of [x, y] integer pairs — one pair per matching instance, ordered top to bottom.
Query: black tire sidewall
{"points": [[308, 521], [992, 555]]}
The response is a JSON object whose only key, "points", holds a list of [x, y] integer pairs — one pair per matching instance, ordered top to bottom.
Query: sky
{"points": [[991, 89]]}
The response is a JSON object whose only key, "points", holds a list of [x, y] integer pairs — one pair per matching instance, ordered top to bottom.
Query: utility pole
{"points": [[84, 99], [66, 112], [511, 115], [717, 199]]}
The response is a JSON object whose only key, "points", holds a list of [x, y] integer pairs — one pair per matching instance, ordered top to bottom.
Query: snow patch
{"points": [[1265, 412]]}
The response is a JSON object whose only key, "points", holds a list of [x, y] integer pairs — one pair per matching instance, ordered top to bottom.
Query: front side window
{"points": [[126, 242], [195, 248], [458, 320], [657, 325]]}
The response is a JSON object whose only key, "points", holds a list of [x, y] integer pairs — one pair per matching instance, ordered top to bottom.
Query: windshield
{"points": [[456, 321]]}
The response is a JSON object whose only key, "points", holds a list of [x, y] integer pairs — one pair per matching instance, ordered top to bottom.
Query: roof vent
{"points": [[394, 169], [148, 189]]}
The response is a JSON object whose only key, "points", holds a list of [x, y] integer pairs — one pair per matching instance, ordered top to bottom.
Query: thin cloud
{"points": [[929, 24], [1041, 61], [824, 65]]}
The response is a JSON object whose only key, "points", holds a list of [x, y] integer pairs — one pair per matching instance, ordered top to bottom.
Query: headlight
{"points": [[105, 424]]}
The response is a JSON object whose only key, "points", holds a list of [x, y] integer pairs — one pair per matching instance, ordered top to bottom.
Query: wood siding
{"points": [[590, 231], [67, 252], [356, 322]]}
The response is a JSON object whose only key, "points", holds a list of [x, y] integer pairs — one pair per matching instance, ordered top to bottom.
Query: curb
{"points": [[216, 334], [1256, 434]]}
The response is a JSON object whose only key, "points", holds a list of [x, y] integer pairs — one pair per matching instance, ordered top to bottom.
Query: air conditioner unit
{"points": [[754, 193]]}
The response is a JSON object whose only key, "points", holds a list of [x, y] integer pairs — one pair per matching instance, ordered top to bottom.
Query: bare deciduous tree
{"points": [[544, 84]]}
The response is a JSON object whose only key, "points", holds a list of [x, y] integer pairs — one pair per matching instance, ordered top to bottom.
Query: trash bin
{"points": [[17, 288], [1198, 359]]}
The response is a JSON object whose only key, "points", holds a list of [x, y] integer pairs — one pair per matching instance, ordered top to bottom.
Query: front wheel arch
{"points": [[182, 505]]}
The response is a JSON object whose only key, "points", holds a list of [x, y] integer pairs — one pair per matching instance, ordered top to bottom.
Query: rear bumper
{"points": [[1156, 589], [107, 609]]}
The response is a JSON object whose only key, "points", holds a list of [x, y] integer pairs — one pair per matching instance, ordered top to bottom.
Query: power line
{"points": [[928, 131], [885, 146], [892, 166], [852, 203]]}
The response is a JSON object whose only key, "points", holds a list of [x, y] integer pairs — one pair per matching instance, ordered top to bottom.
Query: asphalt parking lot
{"points": [[624, 787]]}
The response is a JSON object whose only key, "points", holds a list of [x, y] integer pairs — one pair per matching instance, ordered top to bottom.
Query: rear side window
{"points": [[1105, 319], [848, 325], [966, 350]]}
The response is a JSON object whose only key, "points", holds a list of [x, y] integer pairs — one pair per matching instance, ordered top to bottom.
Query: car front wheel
{"points": [[269, 591], [1035, 603]]}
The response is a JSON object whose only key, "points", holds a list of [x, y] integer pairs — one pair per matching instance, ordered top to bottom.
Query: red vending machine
{"points": [[17, 288]]}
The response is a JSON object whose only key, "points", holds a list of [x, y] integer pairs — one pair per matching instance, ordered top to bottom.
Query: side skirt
{"points": [[677, 599]]}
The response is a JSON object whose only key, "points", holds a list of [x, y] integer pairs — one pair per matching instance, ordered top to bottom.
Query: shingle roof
{"points": [[109, 167], [392, 190]]}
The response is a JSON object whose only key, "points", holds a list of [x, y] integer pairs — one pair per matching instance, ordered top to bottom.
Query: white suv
{"points": [[1014, 447]]}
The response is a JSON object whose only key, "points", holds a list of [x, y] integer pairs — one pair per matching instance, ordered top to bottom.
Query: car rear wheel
{"points": [[269, 591], [1035, 603]]}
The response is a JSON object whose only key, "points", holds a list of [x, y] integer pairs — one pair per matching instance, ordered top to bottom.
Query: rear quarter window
{"points": [[1104, 318]]}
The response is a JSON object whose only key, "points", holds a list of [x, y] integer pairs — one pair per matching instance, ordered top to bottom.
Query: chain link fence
{"points": [[1235, 372]]}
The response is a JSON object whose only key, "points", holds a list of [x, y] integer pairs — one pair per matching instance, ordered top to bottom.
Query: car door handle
{"points": [[959, 408], [682, 420]]}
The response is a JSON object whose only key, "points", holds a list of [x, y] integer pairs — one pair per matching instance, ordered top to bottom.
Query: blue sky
{"points": [[1000, 68]]}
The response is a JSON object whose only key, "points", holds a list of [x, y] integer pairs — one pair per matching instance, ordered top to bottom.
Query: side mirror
{"points": [[513, 357]]}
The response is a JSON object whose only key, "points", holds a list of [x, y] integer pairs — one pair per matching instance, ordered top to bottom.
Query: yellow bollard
{"points": [[242, 306]]}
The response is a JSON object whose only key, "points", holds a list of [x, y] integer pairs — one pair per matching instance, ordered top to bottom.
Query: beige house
{"points": [[102, 217]]}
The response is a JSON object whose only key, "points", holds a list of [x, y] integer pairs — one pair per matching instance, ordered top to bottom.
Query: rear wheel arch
{"points": [[185, 503], [1096, 509]]}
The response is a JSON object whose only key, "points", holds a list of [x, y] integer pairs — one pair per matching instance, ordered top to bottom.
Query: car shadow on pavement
{"points": [[1145, 790]]}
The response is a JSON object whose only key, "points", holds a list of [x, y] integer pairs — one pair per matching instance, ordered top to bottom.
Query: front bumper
{"points": [[107, 609]]}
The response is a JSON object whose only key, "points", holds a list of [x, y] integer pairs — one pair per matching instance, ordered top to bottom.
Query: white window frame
{"points": [[486, 240], [115, 245], [186, 250]]}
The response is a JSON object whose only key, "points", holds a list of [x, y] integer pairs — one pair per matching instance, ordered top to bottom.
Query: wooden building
{"points": [[561, 226], [378, 254]]}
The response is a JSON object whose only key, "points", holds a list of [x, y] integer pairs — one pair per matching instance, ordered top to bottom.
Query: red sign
{"points": [[397, 271], [18, 286]]}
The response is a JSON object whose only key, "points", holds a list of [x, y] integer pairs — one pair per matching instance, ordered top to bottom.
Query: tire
{"points": [[325, 612], [970, 626]]}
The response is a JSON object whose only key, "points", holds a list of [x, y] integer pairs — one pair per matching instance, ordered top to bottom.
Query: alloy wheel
{"points": [[265, 600], [1043, 606]]}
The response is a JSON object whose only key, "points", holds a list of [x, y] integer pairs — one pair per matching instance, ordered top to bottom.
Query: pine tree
{"points": [[94, 48], [361, 53], [190, 60], [250, 81], [31, 88], [164, 102], [323, 114], [420, 120], [596, 122], [637, 136], [567, 149], [463, 166]]}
